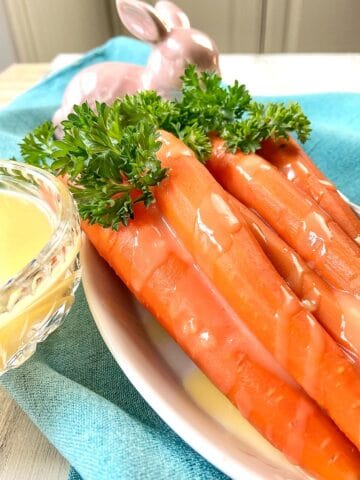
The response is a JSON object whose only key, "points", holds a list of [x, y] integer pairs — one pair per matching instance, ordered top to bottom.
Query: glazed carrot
{"points": [[111, 158], [292, 161], [197, 209], [295, 217], [162, 275], [338, 312]]}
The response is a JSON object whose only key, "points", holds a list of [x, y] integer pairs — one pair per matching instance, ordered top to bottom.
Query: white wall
{"points": [[44, 28], [7, 49]]}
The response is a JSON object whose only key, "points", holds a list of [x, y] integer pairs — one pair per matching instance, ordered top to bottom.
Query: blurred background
{"points": [[37, 30]]}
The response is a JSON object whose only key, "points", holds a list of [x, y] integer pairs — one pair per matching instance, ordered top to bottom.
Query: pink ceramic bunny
{"points": [[176, 45]]}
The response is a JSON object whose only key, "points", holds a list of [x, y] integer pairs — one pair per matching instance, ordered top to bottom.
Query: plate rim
{"points": [[190, 434]]}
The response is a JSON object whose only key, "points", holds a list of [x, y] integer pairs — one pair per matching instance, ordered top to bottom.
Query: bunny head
{"points": [[175, 44]]}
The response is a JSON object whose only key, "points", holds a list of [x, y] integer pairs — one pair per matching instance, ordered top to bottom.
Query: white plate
{"points": [[157, 368]]}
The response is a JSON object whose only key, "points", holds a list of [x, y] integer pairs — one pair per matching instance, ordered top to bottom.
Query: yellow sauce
{"points": [[25, 228], [213, 402]]}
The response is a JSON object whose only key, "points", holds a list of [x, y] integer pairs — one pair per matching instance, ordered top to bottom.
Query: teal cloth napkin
{"points": [[72, 388]]}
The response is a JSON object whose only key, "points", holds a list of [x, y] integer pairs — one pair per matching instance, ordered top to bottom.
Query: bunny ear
{"points": [[172, 15], [141, 20]]}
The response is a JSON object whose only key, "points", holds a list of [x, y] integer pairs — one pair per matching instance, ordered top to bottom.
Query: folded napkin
{"points": [[72, 389]]}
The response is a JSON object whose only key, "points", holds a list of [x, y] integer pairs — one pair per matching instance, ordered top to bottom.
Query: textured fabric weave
{"points": [[72, 388]]}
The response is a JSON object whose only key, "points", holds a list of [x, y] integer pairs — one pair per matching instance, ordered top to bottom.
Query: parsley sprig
{"points": [[230, 112], [109, 155]]}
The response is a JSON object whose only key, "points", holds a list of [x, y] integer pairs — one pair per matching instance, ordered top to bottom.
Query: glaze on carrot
{"points": [[288, 156], [295, 216], [220, 241], [162, 275], [219, 285], [338, 312]]}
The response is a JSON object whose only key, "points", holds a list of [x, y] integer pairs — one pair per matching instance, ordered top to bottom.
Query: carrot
{"points": [[292, 161], [197, 209], [295, 217], [162, 275], [338, 312]]}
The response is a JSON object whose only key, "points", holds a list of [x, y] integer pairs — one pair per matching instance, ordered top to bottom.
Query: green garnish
{"points": [[233, 115], [110, 155]]}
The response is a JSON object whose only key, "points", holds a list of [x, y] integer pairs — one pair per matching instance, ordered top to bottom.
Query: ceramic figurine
{"points": [[176, 45]]}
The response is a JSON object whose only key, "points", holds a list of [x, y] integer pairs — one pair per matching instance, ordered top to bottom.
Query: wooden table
{"points": [[25, 454]]}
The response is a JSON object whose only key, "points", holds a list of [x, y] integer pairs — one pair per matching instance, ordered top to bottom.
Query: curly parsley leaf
{"points": [[231, 113], [109, 154], [108, 157]]}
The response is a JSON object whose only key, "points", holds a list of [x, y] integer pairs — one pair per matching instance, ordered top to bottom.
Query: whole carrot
{"points": [[288, 156], [295, 217], [221, 243], [162, 275], [338, 312]]}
